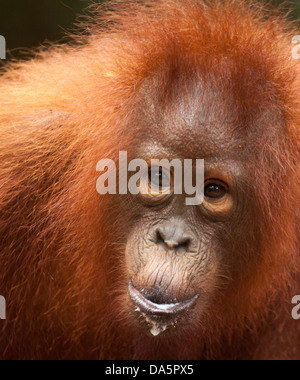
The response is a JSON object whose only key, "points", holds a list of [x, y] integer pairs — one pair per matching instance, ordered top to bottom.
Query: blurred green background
{"points": [[29, 23]]}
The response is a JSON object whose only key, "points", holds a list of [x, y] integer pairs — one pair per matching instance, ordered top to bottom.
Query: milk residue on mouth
{"points": [[153, 313], [156, 327], [157, 330]]}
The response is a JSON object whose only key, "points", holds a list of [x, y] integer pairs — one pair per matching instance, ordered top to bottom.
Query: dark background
{"points": [[29, 23]]}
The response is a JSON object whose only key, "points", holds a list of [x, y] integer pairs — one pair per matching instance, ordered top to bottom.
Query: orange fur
{"points": [[62, 271]]}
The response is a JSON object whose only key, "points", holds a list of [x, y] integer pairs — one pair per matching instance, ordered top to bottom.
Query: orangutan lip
{"points": [[159, 309]]}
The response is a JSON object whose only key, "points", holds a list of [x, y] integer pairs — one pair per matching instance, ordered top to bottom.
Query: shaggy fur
{"points": [[61, 244]]}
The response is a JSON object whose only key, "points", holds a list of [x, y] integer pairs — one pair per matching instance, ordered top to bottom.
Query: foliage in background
{"points": [[27, 24]]}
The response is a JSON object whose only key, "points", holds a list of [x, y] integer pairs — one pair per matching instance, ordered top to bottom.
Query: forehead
{"points": [[213, 112]]}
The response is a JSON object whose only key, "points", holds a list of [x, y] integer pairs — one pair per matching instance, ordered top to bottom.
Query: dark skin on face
{"points": [[178, 256]]}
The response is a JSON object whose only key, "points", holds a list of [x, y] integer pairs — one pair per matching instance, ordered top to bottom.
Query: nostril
{"points": [[160, 240], [186, 242], [180, 244], [183, 246]]}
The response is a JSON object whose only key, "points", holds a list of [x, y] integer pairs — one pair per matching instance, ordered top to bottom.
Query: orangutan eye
{"points": [[158, 177], [215, 191]]}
